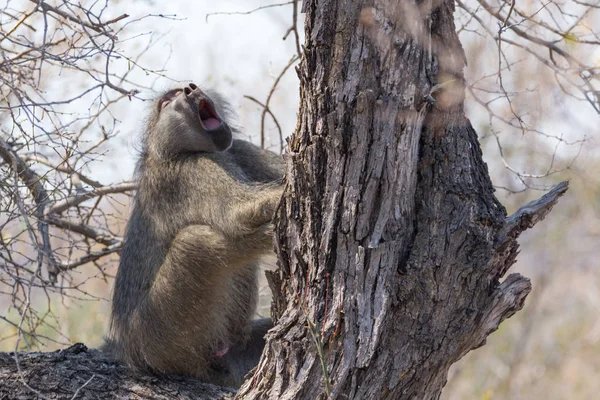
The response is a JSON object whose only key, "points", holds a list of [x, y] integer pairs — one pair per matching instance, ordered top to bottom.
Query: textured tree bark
{"points": [[391, 243]]}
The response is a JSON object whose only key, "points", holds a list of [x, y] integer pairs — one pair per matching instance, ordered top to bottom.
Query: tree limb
{"points": [[40, 196], [62, 205], [532, 212], [97, 234], [62, 374]]}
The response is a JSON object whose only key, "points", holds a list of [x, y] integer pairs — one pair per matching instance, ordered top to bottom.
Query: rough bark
{"points": [[391, 243], [81, 373]]}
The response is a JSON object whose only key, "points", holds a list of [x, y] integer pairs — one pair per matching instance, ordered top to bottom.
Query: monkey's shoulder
{"points": [[243, 148], [244, 162], [259, 165]]}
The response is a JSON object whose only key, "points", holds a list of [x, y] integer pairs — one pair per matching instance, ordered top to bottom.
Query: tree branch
{"points": [[98, 28], [61, 168], [40, 197], [62, 205], [532, 212], [97, 234], [91, 256], [506, 300], [61, 374]]}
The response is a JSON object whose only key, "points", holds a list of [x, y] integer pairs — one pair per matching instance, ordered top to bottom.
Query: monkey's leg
{"points": [[189, 299], [244, 302], [241, 359]]}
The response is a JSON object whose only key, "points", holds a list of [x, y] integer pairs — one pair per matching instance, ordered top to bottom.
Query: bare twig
{"points": [[249, 12], [98, 28], [294, 29], [271, 92], [281, 146], [35, 186], [62, 205], [97, 234], [82, 386]]}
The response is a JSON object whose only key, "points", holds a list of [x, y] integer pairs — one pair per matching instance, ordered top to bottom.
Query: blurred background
{"points": [[77, 127]]}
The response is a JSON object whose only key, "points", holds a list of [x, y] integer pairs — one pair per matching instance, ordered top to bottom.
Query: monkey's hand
{"points": [[256, 215]]}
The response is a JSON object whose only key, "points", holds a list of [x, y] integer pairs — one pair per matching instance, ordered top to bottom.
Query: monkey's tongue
{"points": [[208, 116], [211, 123]]}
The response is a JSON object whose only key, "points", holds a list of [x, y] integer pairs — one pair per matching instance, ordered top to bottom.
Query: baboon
{"points": [[186, 289]]}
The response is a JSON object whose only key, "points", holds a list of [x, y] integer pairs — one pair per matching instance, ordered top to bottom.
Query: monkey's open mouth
{"points": [[208, 116]]}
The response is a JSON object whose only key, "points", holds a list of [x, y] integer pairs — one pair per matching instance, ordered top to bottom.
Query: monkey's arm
{"points": [[258, 164], [251, 218], [209, 254]]}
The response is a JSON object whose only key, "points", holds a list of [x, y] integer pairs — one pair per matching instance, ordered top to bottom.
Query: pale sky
{"points": [[236, 54], [242, 54]]}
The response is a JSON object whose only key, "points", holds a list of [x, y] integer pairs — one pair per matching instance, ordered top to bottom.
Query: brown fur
{"points": [[186, 286]]}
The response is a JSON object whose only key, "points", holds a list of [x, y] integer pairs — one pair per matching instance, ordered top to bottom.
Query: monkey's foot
{"points": [[222, 352]]}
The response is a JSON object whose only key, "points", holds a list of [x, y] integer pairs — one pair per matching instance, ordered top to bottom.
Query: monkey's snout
{"points": [[188, 89]]}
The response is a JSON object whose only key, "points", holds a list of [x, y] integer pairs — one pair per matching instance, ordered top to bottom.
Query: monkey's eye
{"points": [[168, 98]]}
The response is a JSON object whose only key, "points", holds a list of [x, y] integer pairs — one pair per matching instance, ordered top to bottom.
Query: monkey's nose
{"points": [[190, 88]]}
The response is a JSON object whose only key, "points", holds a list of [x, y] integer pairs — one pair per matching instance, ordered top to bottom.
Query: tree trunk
{"points": [[390, 240]]}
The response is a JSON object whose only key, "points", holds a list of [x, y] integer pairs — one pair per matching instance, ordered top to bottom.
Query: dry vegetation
{"points": [[534, 71]]}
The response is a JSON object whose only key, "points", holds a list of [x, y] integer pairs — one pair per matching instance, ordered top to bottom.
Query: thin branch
{"points": [[247, 12], [96, 27], [294, 28], [551, 46], [271, 92], [281, 145], [62, 168], [40, 196], [62, 205], [97, 234], [90, 257], [82, 386]]}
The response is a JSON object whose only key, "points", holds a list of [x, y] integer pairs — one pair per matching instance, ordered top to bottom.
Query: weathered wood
{"points": [[391, 243], [81, 373]]}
